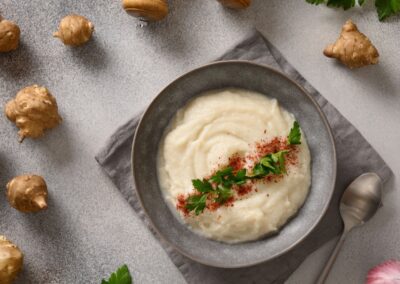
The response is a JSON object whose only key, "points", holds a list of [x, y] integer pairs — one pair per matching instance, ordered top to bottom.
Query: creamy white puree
{"points": [[209, 130]]}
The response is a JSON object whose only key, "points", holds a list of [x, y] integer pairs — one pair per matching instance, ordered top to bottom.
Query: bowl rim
{"points": [[333, 174]]}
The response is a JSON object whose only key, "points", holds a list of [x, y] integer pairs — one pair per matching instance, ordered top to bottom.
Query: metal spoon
{"points": [[359, 202]]}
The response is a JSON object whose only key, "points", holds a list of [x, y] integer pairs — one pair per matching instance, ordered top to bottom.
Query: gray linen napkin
{"points": [[115, 159]]}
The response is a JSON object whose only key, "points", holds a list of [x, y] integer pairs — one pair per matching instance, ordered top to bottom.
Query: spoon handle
{"points": [[328, 266]]}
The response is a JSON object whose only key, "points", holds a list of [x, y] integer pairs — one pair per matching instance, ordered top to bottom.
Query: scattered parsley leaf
{"points": [[316, 2], [345, 4], [386, 8], [294, 136], [279, 159], [268, 163], [274, 163], [226, 171], [259, 171], [220, 176], [240, 177], [223, 180], [202, 186], [224, 193], [196, 203], [121, 276]]}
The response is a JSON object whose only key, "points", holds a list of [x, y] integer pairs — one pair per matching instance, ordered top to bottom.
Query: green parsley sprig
{"points": [[385, 8], [294, 137], [270, 164], [219, 186], [121, 276]]}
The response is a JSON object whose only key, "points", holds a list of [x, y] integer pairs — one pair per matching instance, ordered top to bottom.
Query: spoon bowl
{"points": [[361, 200], [358, 204]]}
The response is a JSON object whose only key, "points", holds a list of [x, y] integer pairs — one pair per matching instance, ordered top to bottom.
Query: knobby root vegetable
{"points": [[236, 4], [147, 10], [74, 30], [9, 35], [353, 48], [33, 110], [27, 193], [11, 259]]}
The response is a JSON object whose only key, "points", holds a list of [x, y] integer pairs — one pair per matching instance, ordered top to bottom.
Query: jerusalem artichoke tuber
{"points": [[236, 4], [147, 10], [74, 30], [9, 35], [353, 48], [33, 110], [27, 193], [11, 260]]}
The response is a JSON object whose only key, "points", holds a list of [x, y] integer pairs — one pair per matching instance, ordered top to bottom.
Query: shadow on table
{"points": [[172, 33], [92, 55], [20, 64], [375, 77], [54, 147], [48, 233]]}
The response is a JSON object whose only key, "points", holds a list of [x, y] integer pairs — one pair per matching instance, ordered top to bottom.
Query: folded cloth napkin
{"points": [[115, 159]]}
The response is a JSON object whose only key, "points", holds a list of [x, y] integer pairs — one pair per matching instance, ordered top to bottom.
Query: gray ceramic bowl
{"points": [[253, 77]]}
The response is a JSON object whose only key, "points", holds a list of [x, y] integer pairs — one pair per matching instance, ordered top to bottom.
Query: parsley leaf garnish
{"points": [[316, 2], [345, 4], [386, 8], [294, 137], [279, 160], [271, 163], [259, 171], [222, 176], [240, 177], [224, 179], [219, 185], [202, 186], [223, 194], [196, 203], [121, 276]]}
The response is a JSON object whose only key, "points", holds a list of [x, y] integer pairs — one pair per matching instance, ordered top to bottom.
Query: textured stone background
{"points": [[89, 229]]}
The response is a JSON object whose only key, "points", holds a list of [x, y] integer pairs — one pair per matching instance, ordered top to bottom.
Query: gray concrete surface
{"points": [[102, 84]]}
